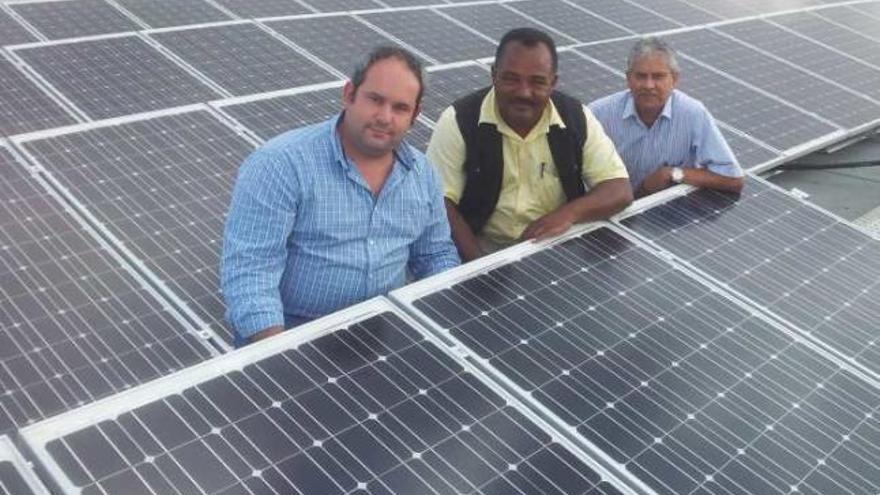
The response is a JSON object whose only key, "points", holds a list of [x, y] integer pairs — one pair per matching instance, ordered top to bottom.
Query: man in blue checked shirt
{"points": [[664, 136], [331, 214]]}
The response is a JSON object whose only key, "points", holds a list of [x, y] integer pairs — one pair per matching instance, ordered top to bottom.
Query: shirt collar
{"points": [[629, 107], [489, 115], [402, 153]]}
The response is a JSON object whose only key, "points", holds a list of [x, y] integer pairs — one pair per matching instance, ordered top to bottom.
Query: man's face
{"points": [[524, 79], [651, 81], [380, 112]]}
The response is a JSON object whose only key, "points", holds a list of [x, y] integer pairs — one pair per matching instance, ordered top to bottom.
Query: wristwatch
{"points": [[677, 175]]}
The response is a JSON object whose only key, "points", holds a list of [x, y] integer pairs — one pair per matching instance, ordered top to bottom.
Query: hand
{"points": [[659, 180], [551, 224]]}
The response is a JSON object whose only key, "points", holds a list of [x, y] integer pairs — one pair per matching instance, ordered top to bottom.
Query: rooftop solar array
{"points": [[242, 58], [161, 186], [804, 265], [76, 324], [741, 360], [683, 388], [363, 405], [16, 476]]}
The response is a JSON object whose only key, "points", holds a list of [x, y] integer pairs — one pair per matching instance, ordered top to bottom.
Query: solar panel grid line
{"points": [[222, 8], [656, 12], [129, 14], [70, 19], [853, 19], [20, 21], [839, 23], [503, 25], [465, 26], [822, 43], [302, 51], [431, 60], [784, 60], [186, 66], [45, 86], [205, 329], [97, 333], [851, 341], [302, 352], [797, 363], [16, 473]]}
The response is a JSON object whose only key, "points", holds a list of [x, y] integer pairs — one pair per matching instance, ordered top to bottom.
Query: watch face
{"points": [[677, 175]]}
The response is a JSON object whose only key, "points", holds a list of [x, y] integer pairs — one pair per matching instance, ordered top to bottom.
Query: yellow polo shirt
{"points": [[530, 187]]}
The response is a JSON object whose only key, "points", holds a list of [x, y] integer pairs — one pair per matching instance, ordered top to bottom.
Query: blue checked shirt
{"points": [[685, 135], [305, 236]]}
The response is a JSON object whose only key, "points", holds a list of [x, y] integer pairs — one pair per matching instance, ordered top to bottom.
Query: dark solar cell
{"points": [[164, 13], [74, 18], [570, 20], [11, 32], [432, 34], [352, 39], [242, 58], [816, 58], [755, 68], [115, 76], [585, 79], [447, 85], [25, 107], [271, 117], [748, 152], [162, 187], [806, 266], [75, 325], [686, 390], [369, 408]]}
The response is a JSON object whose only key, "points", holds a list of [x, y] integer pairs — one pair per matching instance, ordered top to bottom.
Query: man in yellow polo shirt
{"points": [[520, 160]]}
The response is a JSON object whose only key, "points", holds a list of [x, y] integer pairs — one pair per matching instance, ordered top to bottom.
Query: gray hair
{"points": [[648, 47], [379, 53]]}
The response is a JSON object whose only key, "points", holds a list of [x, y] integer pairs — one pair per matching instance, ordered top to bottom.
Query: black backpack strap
{"points": [[566, 145], [483, 163]]}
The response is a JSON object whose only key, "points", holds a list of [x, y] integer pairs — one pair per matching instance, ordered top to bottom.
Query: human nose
{"points": [[383, 113]]}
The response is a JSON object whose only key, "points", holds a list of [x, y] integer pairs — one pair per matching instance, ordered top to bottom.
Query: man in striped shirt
{"points": [[664, 136], [331, 214]]}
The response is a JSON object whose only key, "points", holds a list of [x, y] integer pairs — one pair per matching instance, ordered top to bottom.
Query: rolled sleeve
{"points": [[446, 151], [713, 152], [601, 161], [260, 220], [433, 251]]}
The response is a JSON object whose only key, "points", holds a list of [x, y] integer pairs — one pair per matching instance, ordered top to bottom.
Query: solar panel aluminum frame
{"points": [[22, 22], [41, 83], [133, 264], [407, 296], [779, 321], [38, 435], [8, 453]]}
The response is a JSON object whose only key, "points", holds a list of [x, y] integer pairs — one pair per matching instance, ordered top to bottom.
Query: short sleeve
{"points": [[447, 152], [601, 161]]}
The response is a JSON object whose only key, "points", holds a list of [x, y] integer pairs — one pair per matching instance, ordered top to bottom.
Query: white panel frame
{"points": [[8, 453]]}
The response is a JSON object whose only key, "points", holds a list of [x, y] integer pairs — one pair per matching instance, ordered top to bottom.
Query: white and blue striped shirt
{"points": [[684, 135], [305, 235]]}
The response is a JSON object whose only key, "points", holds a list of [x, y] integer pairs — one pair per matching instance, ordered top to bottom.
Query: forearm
{"points": [[700, 177], [601, 201], [465, 240]]}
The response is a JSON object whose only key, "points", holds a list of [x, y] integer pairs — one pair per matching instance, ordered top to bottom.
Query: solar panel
{"points": [[408, 3], [342, 5], [870, 8], [249, 9], [724, 9], [680, 11], [164, 13], [628, 15], [74, 18], [853, 19], [494, 20], [570, 20], [11, 32], [430, 33], [833, 35], [351, 38], [242, 58], [818, 59], [114, 76], [585, 79], [445, 86], [837, 105], [24, 106], [270, 117], [773, 122], [419, 135], [748, 152], [160, 186], [804, 265], [75, 323], [675, 383], [358, 403], [16, 477]]}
